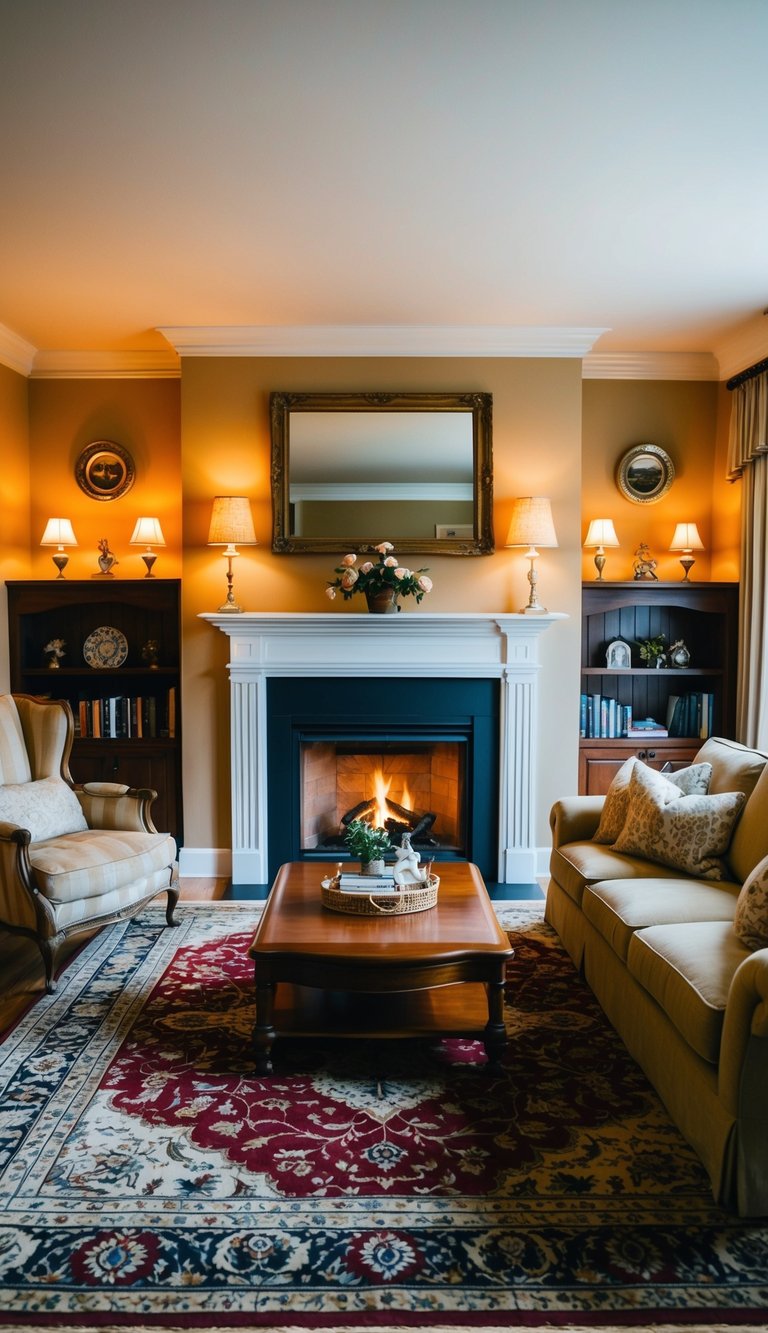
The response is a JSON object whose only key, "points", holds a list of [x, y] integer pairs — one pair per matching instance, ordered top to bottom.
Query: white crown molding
{"points": [[381, 340], [744, 348], [15, 352], [157, 364], [650, 366]]}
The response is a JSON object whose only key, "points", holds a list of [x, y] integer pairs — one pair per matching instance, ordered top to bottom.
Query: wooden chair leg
{"points": [[173, 898]]}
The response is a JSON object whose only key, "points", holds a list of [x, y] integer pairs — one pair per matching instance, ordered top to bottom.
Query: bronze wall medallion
{"points": [[105, 470]]}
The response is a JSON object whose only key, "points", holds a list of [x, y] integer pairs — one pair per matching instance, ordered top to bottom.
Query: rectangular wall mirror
{"points": [[350, 470]]}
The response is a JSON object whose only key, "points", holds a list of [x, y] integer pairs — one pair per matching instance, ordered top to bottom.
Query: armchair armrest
{"points": [[111, 805], [575, 818], [745, 1030]]}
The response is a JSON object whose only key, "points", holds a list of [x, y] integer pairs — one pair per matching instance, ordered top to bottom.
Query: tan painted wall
{"points": [[143, 416], [681, 417], [226, 450], [14, 495], [726, 499]]}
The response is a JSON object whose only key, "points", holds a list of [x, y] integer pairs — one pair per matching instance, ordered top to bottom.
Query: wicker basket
{"points": [[418, 899]]}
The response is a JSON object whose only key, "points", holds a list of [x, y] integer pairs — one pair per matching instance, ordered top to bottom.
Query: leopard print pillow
{"points": [[692, 780], [689, 833], [751, 919]]}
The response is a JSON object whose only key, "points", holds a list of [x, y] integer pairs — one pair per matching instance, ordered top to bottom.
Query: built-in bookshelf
{"points": [[619, 704], [127, 716]]}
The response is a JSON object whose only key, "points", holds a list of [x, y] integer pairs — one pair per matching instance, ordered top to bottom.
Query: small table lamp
{"points": [[231, 526], [532, 526], [59, 533], [148, 533], [601, 533], [686, 539]]}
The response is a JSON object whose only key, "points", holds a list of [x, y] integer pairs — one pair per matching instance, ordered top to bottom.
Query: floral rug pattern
{"points": [[147, 1174]]}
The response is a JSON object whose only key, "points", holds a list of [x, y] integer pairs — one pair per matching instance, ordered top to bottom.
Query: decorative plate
{"points": [[105, 470], [645, 473], [105, 647]]}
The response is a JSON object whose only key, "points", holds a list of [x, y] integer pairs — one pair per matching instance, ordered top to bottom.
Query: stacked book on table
{"points": [[367, 884]]}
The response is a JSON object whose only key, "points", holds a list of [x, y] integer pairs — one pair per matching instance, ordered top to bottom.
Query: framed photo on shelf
{"points": [[618, 656]]}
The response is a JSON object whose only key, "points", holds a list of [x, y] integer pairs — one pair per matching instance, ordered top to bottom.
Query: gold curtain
{"points": [[748, 459]]}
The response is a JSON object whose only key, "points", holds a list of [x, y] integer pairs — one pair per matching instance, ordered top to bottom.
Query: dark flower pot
{"points": [[382, 603]]}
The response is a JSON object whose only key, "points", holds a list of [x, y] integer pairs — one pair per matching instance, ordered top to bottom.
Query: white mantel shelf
{"points": [[504, 645]]}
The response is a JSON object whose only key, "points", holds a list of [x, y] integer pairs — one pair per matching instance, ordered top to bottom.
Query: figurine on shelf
{"points": [[107, 561], [644, 566], [55, 649], [150, 653], [679, 655]]}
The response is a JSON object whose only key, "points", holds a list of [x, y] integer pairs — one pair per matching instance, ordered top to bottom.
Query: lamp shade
{"points": [[231, 522], [531, 523], [58, 532], [601, 532], [147, 533], [686, 538]]}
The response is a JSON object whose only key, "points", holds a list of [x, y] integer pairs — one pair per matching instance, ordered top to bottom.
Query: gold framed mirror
{"points": [[350, 470]]}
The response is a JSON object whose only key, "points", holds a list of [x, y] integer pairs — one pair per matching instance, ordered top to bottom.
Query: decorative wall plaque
{"points": [[105, 470], [645, 473]]}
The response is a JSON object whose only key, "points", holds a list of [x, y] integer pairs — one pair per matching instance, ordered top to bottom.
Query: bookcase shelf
{"points": [[705, 616], [140, 740]]}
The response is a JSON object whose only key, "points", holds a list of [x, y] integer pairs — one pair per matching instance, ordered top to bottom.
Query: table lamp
{"points": [[531, 525], [231, 526], [59, 533], [148, 533], [601, 533], [686, 539]]}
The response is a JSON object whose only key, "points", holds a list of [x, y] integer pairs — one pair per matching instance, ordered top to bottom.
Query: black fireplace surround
{"points": [[382, 710]]}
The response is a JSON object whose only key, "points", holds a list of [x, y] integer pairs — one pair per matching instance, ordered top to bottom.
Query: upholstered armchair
{"points": [[72, 858]]}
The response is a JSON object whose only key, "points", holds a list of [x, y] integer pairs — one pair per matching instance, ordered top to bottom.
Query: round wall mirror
{"points": [[645, 473]]}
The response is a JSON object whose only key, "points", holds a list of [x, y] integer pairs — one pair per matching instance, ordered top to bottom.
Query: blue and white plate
{"points": [[105, 647]]}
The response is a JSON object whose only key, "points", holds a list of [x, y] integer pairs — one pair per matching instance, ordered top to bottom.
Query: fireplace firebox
{"points": [[416, 755]]}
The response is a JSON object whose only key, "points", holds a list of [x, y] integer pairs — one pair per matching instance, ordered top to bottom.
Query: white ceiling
{"points": [[573, 164]]}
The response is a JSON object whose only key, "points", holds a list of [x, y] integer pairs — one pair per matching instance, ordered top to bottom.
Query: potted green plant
{"points": [[653, 651], [370, 844]]}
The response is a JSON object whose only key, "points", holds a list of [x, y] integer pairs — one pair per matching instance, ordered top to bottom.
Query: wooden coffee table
{"points": [[324, 973]]}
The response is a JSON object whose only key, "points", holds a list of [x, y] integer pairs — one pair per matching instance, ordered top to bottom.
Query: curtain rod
{"points": [[748, 374]]}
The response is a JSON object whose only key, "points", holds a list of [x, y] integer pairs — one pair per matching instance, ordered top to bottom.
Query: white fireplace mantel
{"points": [[428, 644]]}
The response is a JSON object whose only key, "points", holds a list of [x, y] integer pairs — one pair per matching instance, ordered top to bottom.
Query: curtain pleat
{"points": [[748, 438], [752, 680]]}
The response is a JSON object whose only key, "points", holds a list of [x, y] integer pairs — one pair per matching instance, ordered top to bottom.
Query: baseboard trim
{"points": [[205, 862]]}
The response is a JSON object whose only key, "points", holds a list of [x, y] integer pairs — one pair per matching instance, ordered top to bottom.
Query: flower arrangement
{"points": [[388, 575], [56, 649], [653, 651]]}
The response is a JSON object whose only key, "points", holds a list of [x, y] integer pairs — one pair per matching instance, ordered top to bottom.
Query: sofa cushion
{"points": [[14, 761], [734, 767], [694, 779], [46, 808], [689, 833], [750, 841], [577, 864], [83, 865], [619, 907], [751, 919], [688, 970]]}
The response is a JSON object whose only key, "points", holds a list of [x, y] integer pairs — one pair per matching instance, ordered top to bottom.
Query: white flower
{"points": [[383, 547], [349, 560], [391, 561], [367, 567], [401, 573], [349, 578], [425, 583], [330, 594]]}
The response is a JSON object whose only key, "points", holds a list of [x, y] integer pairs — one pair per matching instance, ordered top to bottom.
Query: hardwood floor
{"points": [[21, 969]]}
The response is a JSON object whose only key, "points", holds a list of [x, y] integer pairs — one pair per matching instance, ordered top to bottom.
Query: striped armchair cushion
{"points": [[84, 865]]}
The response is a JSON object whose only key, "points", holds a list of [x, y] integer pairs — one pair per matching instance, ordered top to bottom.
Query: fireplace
{"points": [[341, 656], [415, 755]]}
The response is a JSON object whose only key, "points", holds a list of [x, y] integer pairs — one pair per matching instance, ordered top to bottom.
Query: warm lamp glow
{"points": [[531, 525], [231, 526], [59, 533], [148, 533], [601, 533], [686, 539]]}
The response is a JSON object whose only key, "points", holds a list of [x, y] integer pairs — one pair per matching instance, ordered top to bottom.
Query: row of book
{"points": [[127, 717], [604, 718]]}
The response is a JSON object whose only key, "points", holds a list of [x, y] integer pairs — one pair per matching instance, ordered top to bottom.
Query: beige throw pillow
{"points": [[690, 781], [47, 807], [689, 833], [751, 919]]}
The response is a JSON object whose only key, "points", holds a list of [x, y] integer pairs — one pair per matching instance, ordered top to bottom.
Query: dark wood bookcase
{"points": [[705, 616], [140, 740]]}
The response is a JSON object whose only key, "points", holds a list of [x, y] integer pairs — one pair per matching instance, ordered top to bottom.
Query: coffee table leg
{"points": [[264, 1031], [495, 1033]]}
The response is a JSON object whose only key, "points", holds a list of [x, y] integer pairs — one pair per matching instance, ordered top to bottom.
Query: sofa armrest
{"points": [[111, 805], [575, 819], [745, 1029]]}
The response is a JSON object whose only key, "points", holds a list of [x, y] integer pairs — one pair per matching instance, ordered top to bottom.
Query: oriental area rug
{"points": [[150, 1180]]}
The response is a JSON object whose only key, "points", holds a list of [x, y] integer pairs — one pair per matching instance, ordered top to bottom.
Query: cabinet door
{"points": [[599, 764], [136, 767]]}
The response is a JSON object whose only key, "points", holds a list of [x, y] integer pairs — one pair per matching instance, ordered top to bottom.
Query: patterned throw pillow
{"points": [[692, 780], [48, 808], [688, 833], [751, 919]]}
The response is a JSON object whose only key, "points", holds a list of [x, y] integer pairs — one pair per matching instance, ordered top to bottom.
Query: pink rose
{"points": [[383, 547], [349, 560], [390, 561], [366, 568], [401, 573], [349, 578], [425, 583], [330, 593]]}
